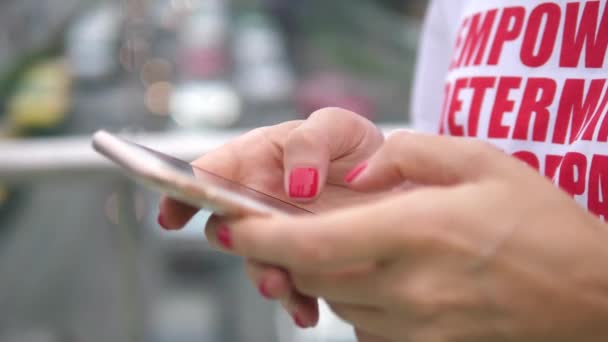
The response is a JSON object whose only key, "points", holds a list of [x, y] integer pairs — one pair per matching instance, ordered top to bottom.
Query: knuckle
{"points": [[331, 111], [339, 117], [287, 125], [256, 133], [268, 133], [399, 135], [305, 136], [396, 139], [397, 143], [478, 152], [426, 238], [248, 241], [309, 252], [420, 298]]}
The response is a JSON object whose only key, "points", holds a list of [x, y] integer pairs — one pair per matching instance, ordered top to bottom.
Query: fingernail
{"points": [[354, 173], [303, 182], [162, 222], [223, 236], [263, 288], [298, 320]]}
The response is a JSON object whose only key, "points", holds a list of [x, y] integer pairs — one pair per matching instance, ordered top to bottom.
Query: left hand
{"points": [[488, 250]]}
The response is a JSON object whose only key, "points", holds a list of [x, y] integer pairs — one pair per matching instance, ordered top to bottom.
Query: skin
{"points": [[332, 140], [485, 250]]}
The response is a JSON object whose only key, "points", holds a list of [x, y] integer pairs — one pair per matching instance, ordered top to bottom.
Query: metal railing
{"points": [[28, 159]]}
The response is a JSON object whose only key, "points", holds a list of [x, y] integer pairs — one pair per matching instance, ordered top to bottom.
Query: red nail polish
{"points": [[354, 173], [303, 182], [161, 221], [223, 236], [264, 290], [298, 320]]}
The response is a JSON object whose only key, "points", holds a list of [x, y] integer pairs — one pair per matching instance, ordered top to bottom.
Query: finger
{"points": [[328, 134], [261, 143], [427, 159], [223, 161], [229, 162], [174, 214], [337, 239], [272, 282], [275, 283], [352, 286], [303, 309], [363, 336]]}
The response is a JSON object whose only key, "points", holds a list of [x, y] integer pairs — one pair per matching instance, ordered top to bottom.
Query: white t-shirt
{"points": [[529, 76]]}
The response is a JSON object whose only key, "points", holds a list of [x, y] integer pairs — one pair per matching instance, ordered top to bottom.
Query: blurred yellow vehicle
{"points": [[41, 99], [39, 103]]}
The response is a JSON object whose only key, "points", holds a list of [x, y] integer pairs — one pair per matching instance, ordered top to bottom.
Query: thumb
{"points": [[330, 135], [427, 160], [343, 238]]}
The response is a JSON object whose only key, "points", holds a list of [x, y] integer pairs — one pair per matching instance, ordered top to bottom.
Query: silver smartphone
{"points": [[189, 184]]}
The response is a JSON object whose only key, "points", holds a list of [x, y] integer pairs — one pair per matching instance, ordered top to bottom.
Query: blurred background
{"points": [[81, 255]]}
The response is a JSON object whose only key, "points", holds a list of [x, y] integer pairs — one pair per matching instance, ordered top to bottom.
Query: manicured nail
{"points": [[354, 173], [303, 182], [162, 222], [223, 236], [263, 288], [298, 320]]}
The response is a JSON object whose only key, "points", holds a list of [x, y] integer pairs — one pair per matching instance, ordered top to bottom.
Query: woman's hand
{"points": [[297, 161], [488, 251]]}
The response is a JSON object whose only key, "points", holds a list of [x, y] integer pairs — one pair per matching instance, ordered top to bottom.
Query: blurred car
{"points": [[202, 38], [92, 43], [263, 71], [42, 98], [205, 104]]}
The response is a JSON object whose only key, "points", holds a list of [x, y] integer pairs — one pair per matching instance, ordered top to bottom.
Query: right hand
{"points": [[281, 161]]}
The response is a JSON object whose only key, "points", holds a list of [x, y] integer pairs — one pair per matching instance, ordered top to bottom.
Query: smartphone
{"points": [[189, 184]]}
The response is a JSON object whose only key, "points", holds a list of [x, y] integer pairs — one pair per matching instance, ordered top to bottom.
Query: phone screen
{"points": [[219, 181]]}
